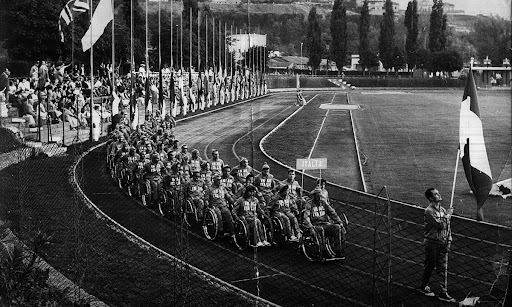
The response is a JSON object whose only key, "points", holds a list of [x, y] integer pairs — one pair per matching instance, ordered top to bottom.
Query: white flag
{"points": [[103, 14]]}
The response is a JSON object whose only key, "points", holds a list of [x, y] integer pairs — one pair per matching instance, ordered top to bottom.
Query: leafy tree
{"points": [[411, 23], [30, 29], [387, 33], [437, 33], [339, 34], [492, 37], [314, 40], [367, 58], [398, 58], [423, 59], [446, 61]]}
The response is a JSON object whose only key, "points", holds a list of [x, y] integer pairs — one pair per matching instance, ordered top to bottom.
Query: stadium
{"points": [[226, 185]]}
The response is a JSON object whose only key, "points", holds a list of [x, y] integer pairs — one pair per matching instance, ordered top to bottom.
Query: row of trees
{"points": [[30, 32], [393, 56]]}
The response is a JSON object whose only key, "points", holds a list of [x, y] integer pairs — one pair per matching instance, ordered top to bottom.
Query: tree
{"points": [[411, 23], [29, 33], [387, 33], [437, 33], [339, 34], [492, 37], [314, 40], [364, 44], [423, 59], [398, 61], [446, 61]]}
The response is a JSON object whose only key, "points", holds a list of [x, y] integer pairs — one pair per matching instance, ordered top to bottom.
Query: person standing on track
{"points": [[437, 241]]}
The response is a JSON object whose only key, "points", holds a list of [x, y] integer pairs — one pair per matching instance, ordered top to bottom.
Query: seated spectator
{"points": [[24, 85], [70, 116]]}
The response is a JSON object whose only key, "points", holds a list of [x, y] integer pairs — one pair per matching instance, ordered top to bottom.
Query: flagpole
{"points": [[172, 30], [181, 39], [190, 40], [206, 41], [198, 44], [213, 46], [113, 51], [231, 51], [132, 68], [92, 75], [160, 79], [146, 87]]}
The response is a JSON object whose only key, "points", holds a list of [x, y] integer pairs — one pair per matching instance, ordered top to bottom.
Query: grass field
{"points": [[409, 142]]}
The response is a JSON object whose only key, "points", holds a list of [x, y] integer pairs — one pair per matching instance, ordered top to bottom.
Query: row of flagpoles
{"points": [[228, 54]]}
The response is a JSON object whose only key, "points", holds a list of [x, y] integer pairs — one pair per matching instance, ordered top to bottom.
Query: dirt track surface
{"points": [[285, 278]]}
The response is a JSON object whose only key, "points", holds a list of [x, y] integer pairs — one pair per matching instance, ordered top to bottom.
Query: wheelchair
{"points": [[168, 202], [190, 214], [243, 236], [315, 248]]}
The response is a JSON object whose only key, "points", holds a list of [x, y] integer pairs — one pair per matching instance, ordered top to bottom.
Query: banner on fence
{"points": [[320, 163]]}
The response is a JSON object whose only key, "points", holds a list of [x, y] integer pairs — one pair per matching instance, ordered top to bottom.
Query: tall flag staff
{"points": [[172, 30], [198, 40], [181, 41], [206, 42], [213, 47], [231, 51], [113, 53], [92, 74], [160, 79], [146, 87], [133, 102]]}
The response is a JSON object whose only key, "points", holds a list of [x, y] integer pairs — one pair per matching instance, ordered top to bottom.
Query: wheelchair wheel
{"points": [[164, 205], [190, 214], [344, 220], [210, 224], [241, 235], [278, 236], [311, 246], [329, 247]]}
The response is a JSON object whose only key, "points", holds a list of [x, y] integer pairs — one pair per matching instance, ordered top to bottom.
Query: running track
{"points": [[285, 278]]}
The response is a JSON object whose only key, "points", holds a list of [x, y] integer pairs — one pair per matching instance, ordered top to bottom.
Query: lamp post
{"points": [[301, 57], [487, 62], [506, 77]]}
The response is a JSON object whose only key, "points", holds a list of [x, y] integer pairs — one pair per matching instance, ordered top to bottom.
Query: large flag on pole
{"points": [[68, 13], [103, 14], [472, 146]]}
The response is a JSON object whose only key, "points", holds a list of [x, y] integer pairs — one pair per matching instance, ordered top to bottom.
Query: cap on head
{"points": [[243, 159], [226, 166], [265, 166], [283, 189], [316, 192]]}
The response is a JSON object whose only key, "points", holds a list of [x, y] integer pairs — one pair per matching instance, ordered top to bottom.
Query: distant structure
{"points": [[376, 7]]}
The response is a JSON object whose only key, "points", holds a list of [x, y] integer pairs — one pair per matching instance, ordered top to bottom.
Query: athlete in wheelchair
{"points": [[153, 177], [172, 189], [194, 199], [281, 208], [218, 216], [249, 231], [324, 231]]}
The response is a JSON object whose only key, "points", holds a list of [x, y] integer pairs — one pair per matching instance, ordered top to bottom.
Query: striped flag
{"points": [[68, 12], [103, 14], [472, 146]]}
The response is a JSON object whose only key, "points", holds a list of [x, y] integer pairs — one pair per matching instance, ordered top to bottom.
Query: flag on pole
{"points": [[68, 12], [103, 14], [472, 146]]}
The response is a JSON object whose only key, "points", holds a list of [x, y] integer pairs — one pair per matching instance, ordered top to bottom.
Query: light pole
{"points": [[301, 58], [487, 62], [506, 77]]}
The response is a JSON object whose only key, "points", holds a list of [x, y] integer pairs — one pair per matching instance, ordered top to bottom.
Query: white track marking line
{"points": [[320, 130]]}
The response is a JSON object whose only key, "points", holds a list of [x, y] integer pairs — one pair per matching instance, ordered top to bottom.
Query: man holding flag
{"points": [[437, 241]]}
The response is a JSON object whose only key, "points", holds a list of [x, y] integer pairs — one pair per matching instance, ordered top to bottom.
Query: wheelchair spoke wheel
{"points": [[164, 207], [190, 214], [210, 224], [241, 235], [278, 235], [311, 247]]}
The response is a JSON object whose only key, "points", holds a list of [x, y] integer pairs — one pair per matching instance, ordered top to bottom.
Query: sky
{"points": [[473, 7]]}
